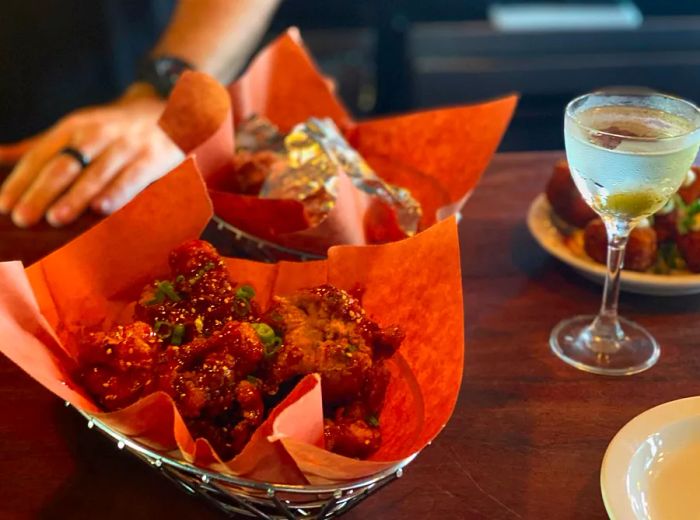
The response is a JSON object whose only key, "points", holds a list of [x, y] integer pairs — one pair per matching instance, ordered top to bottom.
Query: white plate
{"points": [[548, 236], [651, 469]]}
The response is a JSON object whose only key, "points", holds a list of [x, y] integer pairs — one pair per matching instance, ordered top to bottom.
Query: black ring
{"points": [[76, 154]]}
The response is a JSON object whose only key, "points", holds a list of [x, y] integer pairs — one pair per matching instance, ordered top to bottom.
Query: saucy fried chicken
{"points": [[199, 299], [327, 331], [202, 340], [190, 343], [118, 366], [202, 377], [205, 378], [352, 431]]}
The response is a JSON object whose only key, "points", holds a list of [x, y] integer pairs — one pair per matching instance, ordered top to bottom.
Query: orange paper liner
{"points": [[437, 154], [92, 281]]}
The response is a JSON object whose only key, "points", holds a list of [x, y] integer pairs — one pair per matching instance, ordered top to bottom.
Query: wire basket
{"points": [[232, 241], [235, 242], [239, 497]]}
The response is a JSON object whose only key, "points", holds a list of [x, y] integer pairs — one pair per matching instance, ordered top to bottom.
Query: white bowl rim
{"points": [[542, 232], [623, 446]]}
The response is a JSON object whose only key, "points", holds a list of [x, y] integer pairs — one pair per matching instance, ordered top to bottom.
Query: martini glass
{"points": [[628, 154]]}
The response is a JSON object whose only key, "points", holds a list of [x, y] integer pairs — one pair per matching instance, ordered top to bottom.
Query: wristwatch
{"points": [[162, 72]]}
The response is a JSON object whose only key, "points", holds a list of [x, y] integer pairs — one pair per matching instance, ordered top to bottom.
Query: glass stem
{"points": [[605, 331]]}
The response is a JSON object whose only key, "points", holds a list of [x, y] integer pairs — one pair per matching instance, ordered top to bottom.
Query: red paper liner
{"points": [[438, 154], [415, 283]]}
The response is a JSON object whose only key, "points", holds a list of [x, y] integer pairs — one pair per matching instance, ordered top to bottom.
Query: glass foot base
{"points": [[634, 352]]}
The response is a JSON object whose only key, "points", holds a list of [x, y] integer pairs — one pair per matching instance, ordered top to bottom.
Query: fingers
{"points": [[12, 153], [156, 159], [28, 168], [56, 175], [134, 178], [45, 181], [91, 182]]}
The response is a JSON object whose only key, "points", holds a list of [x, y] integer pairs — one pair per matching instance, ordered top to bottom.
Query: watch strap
{"points": [[162, 72]]}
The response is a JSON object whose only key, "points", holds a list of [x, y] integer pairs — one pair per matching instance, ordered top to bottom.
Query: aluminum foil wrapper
{"points": [[257, 134], [316, 153]]}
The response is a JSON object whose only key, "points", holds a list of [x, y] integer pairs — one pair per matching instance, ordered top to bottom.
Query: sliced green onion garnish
{"points": [[693, 207], [207, 267], [163, 289], [168, 290], [245, 292], [157, 299], [241, 308], [163, 329], [264, 331], [178, 333], [271, 342], [273, 347], [373, 420]]}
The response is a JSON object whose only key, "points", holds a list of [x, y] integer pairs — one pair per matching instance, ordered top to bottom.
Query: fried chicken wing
{"points": [[201, 296], [326, 330], [202, 340], [316, 342], [118, 365], [202, 377], [206, 378], [350, 433], [228, 435]]}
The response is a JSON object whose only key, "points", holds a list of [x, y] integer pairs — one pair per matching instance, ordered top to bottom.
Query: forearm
{"points": [[216, 36]]}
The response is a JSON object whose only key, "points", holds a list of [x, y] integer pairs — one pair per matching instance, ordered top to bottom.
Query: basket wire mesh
{"points": [[236, 242], [238, 497]]}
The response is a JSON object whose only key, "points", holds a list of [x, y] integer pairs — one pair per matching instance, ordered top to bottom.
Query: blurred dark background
{"points": [[403, 55], [387, 56]]}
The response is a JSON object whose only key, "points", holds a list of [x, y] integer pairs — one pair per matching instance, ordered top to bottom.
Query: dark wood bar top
{"points": [[527, 436]]}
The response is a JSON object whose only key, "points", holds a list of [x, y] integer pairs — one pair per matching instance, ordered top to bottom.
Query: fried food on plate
{"points": [[565, 199], [640, 253]]}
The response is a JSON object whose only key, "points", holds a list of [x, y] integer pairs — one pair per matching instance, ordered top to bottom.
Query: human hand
{"points": [[123, 143]]}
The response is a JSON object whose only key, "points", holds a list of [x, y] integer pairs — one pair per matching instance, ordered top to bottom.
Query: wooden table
{"points": [[525, 441]]}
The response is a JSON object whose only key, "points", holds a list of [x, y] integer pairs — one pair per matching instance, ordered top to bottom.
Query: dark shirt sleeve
{"points": [[58, 55]]}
